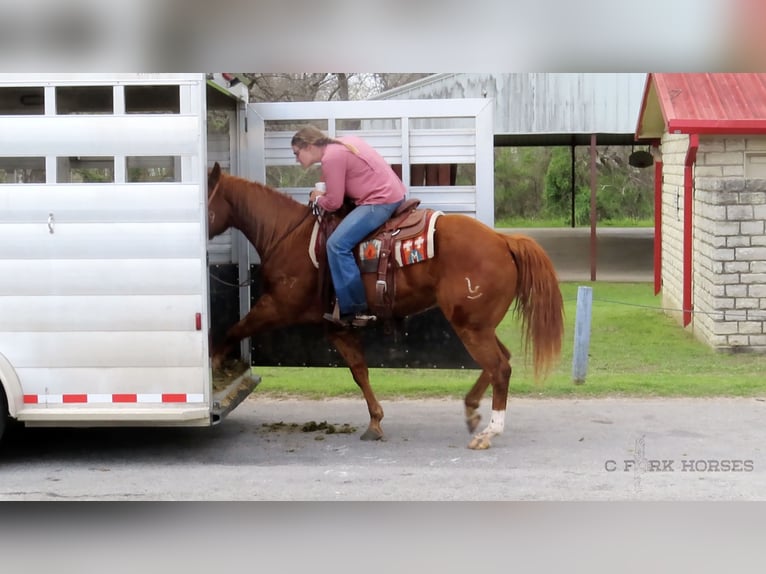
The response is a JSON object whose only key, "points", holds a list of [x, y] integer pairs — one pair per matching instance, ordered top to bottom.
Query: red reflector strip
{"points": [[198, 321], [134, 398]]}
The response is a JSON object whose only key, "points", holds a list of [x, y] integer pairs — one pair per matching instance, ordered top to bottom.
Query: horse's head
{"points": [[218, 209]]}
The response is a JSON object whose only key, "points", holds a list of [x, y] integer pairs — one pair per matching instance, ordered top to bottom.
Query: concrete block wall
{"points": [[673, 155], [729, 243]]}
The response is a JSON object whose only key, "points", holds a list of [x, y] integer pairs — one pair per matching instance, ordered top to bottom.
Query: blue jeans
{"points": [[346, 278]]}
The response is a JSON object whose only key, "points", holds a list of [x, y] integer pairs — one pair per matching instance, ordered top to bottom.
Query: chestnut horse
{"points": [[474, 277]]}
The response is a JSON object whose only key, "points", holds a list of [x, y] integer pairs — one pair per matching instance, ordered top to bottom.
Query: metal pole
{"points": [[573, 187], [593, 207], [582, 334]]}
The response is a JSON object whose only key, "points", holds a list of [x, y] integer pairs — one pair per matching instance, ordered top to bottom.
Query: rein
{"points": [[293, 228], [222, 282]]}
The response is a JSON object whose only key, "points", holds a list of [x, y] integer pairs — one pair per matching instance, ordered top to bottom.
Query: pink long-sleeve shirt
{"points": [[365, 177]]}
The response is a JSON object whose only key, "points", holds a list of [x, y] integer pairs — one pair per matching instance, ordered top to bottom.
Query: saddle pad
{"points": [[406, 252]]}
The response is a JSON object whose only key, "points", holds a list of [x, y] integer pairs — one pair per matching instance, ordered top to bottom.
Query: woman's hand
{"points": [[319, 189], [314, 194]]}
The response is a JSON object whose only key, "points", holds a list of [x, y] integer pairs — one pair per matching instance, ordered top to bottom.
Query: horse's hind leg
{"points": [[349, 346], [494, 360], [474, 396], [473, 399]]}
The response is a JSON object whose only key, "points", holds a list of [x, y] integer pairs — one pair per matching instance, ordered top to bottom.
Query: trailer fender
{"points": [[9, 380]]}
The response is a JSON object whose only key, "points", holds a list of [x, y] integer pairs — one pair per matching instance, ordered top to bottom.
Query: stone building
{"points": [[709, 137]]}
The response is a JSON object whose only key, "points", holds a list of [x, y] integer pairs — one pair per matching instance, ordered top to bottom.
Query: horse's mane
{"points": [[247, 189], [251, 198]]}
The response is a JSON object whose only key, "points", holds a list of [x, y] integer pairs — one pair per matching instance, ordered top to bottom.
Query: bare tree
{"points": [[391, 81], [288, 87], [322, 87], [342, 90]]}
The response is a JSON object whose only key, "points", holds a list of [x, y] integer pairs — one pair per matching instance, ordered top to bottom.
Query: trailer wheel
{"points": [[3, 412]]}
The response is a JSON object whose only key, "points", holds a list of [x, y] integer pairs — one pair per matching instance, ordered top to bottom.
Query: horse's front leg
{"points": [[263, 315], [349, 345]]}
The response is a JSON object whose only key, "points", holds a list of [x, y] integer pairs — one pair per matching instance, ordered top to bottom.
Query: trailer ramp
{"points": [[228, 395]]}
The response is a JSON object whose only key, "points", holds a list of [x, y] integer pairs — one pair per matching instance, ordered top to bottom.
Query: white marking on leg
{"points": [[474, 291], [496, 423], [495, 427]]}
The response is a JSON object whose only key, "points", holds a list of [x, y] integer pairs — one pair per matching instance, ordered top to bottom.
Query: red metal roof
{"points": [[703, 104]]}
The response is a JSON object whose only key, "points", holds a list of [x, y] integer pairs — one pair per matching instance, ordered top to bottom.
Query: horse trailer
{"points": [[104, 284]]}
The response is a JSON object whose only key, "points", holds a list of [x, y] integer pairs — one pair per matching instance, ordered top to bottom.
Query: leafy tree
{"points": [[91, 175], [518, 181], [622, 191], [557, 195]]}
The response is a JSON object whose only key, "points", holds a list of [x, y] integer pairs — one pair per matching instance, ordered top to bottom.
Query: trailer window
{"points": [[153, 99], [84, 100], [22, 101], [289, 127], [372, 127], [153, 168], [22, 170], [85, 170], [284, 176]]}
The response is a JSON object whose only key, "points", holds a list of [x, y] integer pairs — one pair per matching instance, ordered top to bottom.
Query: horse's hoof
{"points": [[473, 422], [370, 434], [480, 442]]}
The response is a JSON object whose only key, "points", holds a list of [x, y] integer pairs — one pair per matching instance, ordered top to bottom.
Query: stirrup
{"points": [[334, 317], [336, 320], [356, 320], [362, 320]]}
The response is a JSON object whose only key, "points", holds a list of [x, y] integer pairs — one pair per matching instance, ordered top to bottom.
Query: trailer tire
{"points": [[3, 413]]}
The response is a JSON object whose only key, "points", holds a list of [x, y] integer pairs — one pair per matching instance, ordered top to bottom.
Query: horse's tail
{"points": [[538, 302]]}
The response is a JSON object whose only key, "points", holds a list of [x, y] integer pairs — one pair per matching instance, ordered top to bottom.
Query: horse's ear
{"points": [[215, 173]]}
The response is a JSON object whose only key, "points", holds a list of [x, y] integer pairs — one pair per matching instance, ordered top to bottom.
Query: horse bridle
{"points": [[210, 213]]}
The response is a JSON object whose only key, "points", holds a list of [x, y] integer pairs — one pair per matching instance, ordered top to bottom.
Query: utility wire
{"points": [[745, 314]]}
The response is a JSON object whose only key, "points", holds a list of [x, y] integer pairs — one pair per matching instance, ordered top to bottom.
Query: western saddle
{"points": [[406, 222]]}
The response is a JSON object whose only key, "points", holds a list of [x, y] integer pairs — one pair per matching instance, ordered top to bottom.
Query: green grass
{"points": [[519, 222], [635, 350]]}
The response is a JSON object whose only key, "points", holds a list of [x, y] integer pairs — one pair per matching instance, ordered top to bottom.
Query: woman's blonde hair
{"points": [[310, 135]]}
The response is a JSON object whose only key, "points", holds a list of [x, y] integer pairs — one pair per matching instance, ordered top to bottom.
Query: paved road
{"points": [[594, 449]]}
